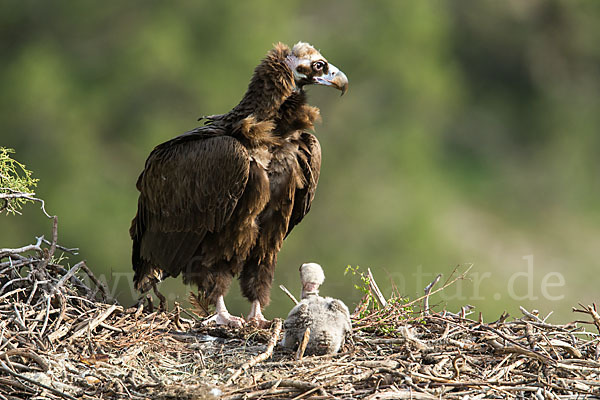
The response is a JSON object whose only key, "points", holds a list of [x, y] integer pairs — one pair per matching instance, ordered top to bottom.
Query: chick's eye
{"points": [[318, 65]]}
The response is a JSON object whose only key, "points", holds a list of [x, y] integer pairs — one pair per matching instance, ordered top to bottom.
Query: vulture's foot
{"points": [[224, 318], [256, 318], [261, 322]]}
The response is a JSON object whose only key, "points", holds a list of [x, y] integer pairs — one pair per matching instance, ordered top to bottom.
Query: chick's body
{"points": [[327, 318]]}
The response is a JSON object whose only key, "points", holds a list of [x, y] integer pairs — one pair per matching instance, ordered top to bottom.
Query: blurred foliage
{"points": [[469, 133], [15, 180]]}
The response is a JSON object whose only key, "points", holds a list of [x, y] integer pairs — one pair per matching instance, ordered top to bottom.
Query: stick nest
{"points": [[63, 337]]}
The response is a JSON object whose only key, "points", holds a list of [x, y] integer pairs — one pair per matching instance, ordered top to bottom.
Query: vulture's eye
{"points": [[318, 65]]}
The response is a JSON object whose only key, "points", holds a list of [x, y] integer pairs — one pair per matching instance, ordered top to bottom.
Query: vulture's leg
{"points": [[255, 282], [163, 301], [222, 316], [256, 317]]}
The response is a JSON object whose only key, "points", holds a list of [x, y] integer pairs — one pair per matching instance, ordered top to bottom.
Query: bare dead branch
{"points": [[20, 195], [52, 248], [24, 249], [375, 289], [427, 291], [287, 292], [591, 310], [303, 344], [261, 357]]}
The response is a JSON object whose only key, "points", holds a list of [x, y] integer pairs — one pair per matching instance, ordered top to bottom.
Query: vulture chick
{"points": [[217, 202], [327, 318]]}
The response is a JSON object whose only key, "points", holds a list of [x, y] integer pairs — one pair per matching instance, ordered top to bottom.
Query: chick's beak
{"points": [[335, 78]]}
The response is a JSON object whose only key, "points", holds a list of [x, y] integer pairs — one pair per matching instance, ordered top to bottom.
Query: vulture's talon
{"points": [[255, 316], [225, 319], [261, 322]]}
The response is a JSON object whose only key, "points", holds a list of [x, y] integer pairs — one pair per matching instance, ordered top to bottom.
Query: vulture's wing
{"points": [[309, 157], [190, 186]]}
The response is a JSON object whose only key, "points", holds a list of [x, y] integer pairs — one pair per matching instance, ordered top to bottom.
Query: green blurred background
{"points": [[470, 134]]}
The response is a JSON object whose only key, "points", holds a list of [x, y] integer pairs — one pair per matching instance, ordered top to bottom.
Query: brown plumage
{"points": [[218, 201]]}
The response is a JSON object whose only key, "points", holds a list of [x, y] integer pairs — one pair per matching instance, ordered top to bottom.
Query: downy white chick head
{"points": [[312, 276]]}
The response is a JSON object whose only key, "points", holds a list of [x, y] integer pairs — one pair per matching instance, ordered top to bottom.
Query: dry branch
{"points": [[21, 195], [24, 249], [375, 289], [427, 291], [290, 295], [592, 311], [93, 323], [303, 344], [261, 357]]}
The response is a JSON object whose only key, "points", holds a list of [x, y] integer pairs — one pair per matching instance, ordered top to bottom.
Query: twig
{"points": [[15, 195], [20, 195], [24, 249], [52, 249], [74, 251], [68, 275], [74, 279], [11, 282], [448, 282], [99, 284], [375, 289], [34, 290], [427, 291], [12, 292], [291, 296], [465, 310], [592, 311], [18, 317], [94, 322], [45, 324], [111, 328], [303, 344], [519, 347], [29, 354], [261, 357], [34, 382], [405, 394], [300, 396]]}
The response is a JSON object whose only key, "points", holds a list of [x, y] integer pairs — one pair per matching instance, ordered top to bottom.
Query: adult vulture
{"points": [[218, 201]]}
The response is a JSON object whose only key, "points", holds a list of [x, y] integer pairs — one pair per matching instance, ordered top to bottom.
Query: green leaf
{"points": [[15, 182]]}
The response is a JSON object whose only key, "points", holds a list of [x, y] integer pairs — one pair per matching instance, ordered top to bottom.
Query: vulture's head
{"points": [[311, 68], [312, 276]]}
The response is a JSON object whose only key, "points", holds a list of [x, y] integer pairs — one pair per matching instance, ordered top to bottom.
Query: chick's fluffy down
{"points": [[328, 320]]}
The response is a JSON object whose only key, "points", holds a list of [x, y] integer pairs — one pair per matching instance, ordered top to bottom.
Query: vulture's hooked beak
{"points": [[334, 78]]}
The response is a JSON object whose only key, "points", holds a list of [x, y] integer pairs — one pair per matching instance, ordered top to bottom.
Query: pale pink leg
{"points": [[222, 316], [256, 316]]}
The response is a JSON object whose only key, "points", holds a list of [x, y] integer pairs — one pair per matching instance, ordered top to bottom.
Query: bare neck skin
{"points": [[310, 289]]}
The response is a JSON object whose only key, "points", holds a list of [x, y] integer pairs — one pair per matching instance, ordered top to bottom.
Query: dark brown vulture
{"points": [[218, 201]]}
